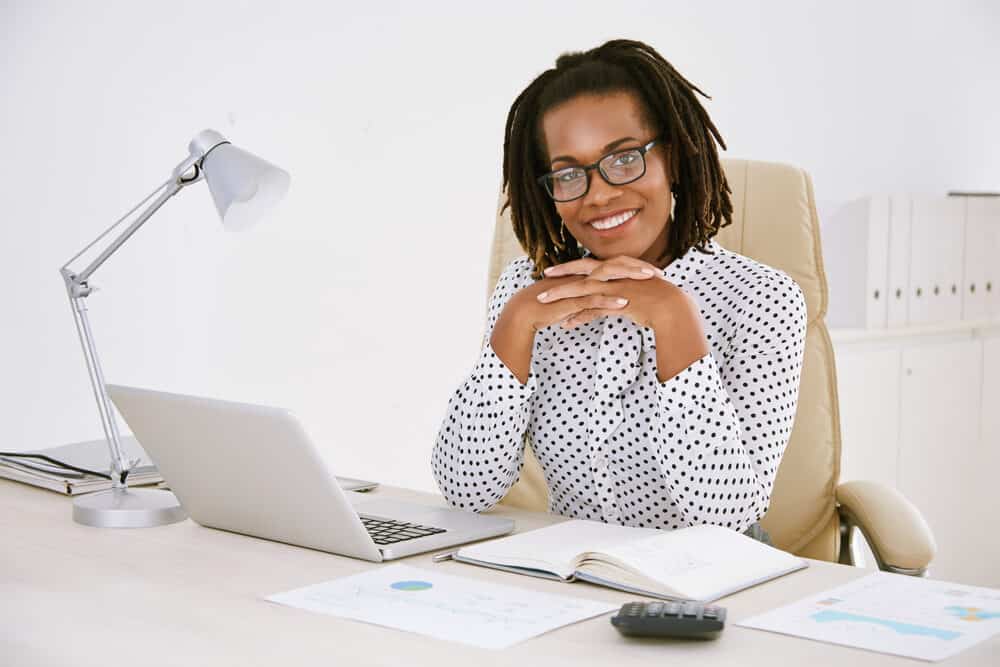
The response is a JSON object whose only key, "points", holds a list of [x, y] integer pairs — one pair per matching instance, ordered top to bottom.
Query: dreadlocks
{"points": [[701, 192]]}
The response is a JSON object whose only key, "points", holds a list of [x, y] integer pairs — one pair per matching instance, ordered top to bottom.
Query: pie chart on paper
{"points": [[411, 585]]}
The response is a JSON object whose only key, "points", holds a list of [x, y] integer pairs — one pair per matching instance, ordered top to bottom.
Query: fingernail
{"points": [[548, 269], [648, 272], [541, 297], [622, 302]]}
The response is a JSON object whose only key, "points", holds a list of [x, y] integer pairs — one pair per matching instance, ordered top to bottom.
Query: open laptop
{"points": [[253, 470]]}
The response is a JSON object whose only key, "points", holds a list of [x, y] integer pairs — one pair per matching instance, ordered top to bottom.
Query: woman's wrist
{"points": [[512, 341], [680, 341]]}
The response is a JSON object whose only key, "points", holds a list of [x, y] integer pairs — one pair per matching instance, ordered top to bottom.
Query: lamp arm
{"points": [[174, 186], [77, 288]]}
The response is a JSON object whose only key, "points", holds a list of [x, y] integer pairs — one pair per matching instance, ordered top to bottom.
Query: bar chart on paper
{"points": [[890, 613]]}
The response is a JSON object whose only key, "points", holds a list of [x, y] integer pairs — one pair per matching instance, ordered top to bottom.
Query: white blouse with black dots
{"points": [[617, 445]]}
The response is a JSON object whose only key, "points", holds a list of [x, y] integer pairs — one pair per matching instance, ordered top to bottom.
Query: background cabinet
{"points": [[903, 260], [920, 411]]}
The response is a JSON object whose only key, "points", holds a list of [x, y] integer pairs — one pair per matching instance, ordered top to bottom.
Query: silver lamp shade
{"points": [[243, 186]]}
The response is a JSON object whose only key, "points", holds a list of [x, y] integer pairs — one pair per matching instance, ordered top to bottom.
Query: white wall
{"points": [[360, 304]]}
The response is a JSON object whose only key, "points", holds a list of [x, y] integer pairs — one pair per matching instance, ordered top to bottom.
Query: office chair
{"points": [[811, 514]]}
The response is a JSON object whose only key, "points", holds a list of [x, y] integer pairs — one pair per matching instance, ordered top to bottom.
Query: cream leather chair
{"points": [[811, 513]]}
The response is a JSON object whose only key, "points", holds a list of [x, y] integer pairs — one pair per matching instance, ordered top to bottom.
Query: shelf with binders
{"points": [[908, 261]]}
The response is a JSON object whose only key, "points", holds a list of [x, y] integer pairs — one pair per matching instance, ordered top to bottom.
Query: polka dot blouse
{"points": [[614, 443]]}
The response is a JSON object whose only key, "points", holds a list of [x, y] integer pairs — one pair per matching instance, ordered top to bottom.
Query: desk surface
{"points": [[184, 594]]}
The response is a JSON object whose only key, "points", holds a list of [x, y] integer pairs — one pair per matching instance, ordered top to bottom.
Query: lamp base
{"points": [[128, 508]]}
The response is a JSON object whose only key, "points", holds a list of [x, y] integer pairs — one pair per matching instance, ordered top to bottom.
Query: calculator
{"points": [[670, 619]]}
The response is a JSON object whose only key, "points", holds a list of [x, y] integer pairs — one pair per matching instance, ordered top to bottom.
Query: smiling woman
{"points": [[655, 373]]}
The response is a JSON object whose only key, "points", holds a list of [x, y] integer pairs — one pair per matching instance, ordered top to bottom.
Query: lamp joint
{"points": [[74, 286]]}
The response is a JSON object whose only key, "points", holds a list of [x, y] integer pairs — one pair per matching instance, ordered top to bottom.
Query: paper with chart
{"points": [[442, 606], [892, 613]]}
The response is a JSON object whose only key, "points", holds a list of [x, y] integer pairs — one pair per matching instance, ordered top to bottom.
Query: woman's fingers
{"points": [[578, 267], [615, 268], [609, 271], [575, 288], [571, 290], [570, 308], [585, 316]]}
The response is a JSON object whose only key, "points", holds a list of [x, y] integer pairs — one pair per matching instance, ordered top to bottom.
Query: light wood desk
{"points": [[187, 595]]}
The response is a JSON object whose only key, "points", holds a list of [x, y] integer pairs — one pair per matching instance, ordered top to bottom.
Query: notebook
{"points": [[90, 455], [702, 563]]}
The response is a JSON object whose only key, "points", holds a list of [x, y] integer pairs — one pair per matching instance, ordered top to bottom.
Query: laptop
{"points": [[253, 470]]}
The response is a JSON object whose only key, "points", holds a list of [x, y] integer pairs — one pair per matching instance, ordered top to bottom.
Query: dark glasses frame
{"points": [[545, 180]]}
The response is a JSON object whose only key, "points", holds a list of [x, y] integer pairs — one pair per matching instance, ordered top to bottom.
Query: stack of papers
{"points": [[91, 455]]}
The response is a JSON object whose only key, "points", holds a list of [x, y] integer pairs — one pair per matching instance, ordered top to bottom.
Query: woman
{"points": [[655, 373]]}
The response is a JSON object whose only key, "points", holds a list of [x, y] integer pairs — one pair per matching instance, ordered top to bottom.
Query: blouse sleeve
{"points": [[722, 431], [480, 448]]}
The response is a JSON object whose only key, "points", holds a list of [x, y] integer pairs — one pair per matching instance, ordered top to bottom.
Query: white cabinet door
{"points": [[868, 383], [990, 444], [941, 469]]}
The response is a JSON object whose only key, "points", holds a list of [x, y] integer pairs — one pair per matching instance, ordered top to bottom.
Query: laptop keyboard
{"points": [[389, 531]]}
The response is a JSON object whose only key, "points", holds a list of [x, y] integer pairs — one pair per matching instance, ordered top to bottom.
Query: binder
{"points": [[992, 215], [855, 250], [936, 253], [951, 260], [980, 293], [897, 308]]}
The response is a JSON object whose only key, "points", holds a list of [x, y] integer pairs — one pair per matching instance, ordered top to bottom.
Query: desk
{"points": [[187, 595]]}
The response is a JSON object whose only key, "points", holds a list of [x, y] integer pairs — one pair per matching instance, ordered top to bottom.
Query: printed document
{"points": [[444, 607], [892, 613]]}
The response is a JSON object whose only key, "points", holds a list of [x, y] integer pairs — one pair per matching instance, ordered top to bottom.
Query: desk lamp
{"points": [[243, 187]]}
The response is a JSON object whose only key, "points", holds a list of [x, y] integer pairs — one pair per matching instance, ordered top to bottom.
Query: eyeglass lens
{"points": [[617, 169]]}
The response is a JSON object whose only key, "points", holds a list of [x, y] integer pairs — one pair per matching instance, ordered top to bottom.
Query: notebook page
{"points": [[554, 548], [703, 562]]}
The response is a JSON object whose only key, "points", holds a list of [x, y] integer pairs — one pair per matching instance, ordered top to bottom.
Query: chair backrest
{"points": [[774, 222]]}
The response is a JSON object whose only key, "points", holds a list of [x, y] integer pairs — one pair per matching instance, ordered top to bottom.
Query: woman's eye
{"points": [[625, 159], [567, 176]]}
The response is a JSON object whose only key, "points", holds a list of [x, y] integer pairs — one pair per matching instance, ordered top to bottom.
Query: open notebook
{"points": [[701, 563]]}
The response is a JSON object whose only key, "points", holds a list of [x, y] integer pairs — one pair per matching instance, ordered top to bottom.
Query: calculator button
{"points": [[654, 609], [690, 610]]}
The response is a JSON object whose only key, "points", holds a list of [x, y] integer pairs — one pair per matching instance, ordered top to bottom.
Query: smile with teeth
{"points": [[615, 220]]}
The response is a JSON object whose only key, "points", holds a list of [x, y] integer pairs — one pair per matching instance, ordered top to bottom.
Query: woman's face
{"points": [[580, 132]]}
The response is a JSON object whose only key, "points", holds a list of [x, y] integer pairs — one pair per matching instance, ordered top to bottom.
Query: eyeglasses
{"points": [[618, 168]]}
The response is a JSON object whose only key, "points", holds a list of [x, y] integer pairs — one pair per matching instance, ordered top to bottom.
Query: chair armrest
{"points": [[894, 528]]}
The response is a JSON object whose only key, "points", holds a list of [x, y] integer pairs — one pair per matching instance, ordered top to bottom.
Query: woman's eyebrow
{"points": [[610, 147]]}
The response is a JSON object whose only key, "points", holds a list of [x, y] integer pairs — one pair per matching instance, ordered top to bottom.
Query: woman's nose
{"points": [[601, 192]]}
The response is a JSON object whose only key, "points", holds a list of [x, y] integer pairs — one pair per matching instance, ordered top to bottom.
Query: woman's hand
{"points": [[583, 290], [552, 300], [649, 302], [658, 304], [525, 314]]}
